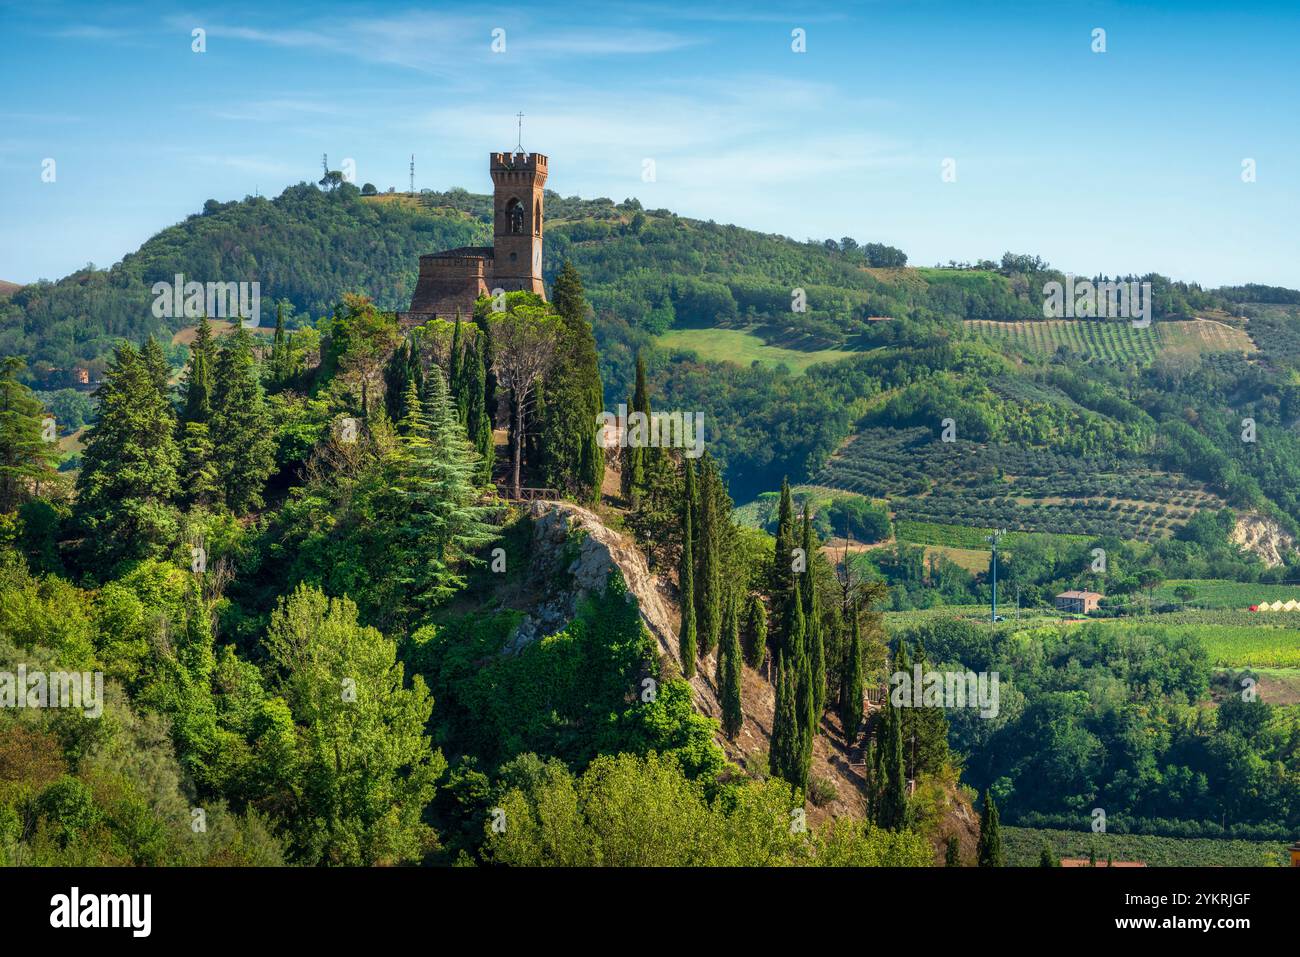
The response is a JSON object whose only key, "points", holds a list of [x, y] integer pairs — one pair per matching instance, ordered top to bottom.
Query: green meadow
{"points": [[744, 348]]}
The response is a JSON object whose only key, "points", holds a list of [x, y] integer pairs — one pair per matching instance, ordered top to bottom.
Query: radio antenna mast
{"points": [[412, 174]]}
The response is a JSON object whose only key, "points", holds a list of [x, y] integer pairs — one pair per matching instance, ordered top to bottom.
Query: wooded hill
{"points": [[650, 270]]}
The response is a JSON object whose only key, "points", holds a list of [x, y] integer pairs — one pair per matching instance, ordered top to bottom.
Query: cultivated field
{"points": [[1119, 342], [1013, 487], [1227, 594], [1024, 845]]}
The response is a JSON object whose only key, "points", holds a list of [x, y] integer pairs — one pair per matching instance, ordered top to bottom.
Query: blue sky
{"points": [[1128, 160]]}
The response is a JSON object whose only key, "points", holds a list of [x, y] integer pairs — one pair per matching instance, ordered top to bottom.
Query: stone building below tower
{"points": [[451, 281]]}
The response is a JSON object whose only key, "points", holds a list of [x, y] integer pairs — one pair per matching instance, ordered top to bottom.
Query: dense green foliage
{"points": [[287, 569], [1094, 716]]}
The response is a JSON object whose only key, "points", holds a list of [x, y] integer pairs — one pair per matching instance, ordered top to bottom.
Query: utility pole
{"points": [[993, 540]]}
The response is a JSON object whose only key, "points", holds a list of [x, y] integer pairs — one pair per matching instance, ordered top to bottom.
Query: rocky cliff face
{"points": [[1264, 537], [573, 554]]}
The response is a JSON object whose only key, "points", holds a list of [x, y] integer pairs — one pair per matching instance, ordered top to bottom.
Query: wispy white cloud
{"points": [[87, 31], [606, 42], [439, 43], [277, 110], [251, 164]]}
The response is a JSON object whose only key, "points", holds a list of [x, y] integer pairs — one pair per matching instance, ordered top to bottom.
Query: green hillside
{"points": [[712, 308]]}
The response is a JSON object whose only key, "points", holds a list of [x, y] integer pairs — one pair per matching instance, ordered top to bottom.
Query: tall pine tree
{"points": [[160, 370], [242, 442], [27, 460], [128, 481], [443, 521]]}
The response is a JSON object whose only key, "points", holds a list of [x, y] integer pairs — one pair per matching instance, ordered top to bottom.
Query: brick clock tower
{"points": [[518, 180], [450, 282]]}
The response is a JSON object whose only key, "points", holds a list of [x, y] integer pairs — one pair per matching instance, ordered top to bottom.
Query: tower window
{"points": [[515, 216]]}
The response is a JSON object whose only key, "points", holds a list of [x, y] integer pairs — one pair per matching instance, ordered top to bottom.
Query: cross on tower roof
{"points": [[521, 131]]}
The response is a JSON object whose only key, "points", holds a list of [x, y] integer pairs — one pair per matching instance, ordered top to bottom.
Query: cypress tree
{"points": [[567, 294], [414, 364], [279, 371], [198, 374], [397, 376], [455, 381], [478, 419], [241, 426], [638, 453], [627, 458], [575, 459], [691, 499], [783, 561], [686, 574], [709, 581], [757, 628], [816, 643], [730, 673], [800, 676], [852, 683], [907, 714], [807, 721], [929, 729], [784, 746], [893, 776], [990, 845], [952, 854], [1045, 858]]}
